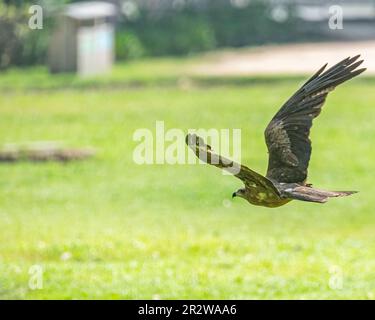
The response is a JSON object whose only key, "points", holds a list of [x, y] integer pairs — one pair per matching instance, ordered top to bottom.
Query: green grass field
{"points": [[109, 229]]}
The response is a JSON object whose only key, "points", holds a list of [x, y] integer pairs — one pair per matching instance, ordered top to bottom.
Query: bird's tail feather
{"points": [[315, 195]]}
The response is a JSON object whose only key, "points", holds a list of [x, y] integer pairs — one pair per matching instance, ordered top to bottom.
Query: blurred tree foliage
{"points": [[156, 27], [176, 27], [179, 27], [172, 33], [11, 35], [20, 45]]}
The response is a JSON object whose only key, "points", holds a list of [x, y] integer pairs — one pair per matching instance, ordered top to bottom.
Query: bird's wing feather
{"points": [[287, 135], [205, 153]]}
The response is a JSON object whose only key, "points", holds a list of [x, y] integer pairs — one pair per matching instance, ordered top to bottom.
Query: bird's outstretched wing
{"points": [[287, 135], [250, 178]]}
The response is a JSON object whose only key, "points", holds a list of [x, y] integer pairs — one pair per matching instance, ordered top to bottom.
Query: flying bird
{"points": [[288, 143]]}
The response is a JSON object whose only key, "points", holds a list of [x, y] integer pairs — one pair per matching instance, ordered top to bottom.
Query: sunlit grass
{"points": [[162, 71], [107, 228]]}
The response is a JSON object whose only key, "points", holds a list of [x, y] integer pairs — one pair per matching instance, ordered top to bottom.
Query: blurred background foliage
{"points": [[156, 28], [20, 45]]}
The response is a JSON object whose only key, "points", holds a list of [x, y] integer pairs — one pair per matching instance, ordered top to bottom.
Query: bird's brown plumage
{"points": [[287, 135], [288, 143]]}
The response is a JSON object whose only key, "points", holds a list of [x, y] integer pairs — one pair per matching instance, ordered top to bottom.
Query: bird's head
{"points": [[239, 193]]}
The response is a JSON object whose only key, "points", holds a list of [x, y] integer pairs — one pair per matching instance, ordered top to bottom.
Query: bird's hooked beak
{"points": [[239, 193]]}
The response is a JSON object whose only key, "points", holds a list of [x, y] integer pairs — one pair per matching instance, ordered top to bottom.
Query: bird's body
{"points": [[288, 143], [286, 193], [261, 197]]}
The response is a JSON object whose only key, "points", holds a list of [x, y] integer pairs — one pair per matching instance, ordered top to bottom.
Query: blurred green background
{"points": [[156, 28], [106, 228]]}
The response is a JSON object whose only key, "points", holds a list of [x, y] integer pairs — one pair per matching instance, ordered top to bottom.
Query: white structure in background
{"points": [[83, 41]]}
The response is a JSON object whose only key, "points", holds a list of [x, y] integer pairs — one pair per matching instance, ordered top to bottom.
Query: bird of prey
{"points": [[288, 143]]}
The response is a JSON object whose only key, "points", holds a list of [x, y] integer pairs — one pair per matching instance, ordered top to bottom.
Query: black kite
{"points": [[289, 146]]}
